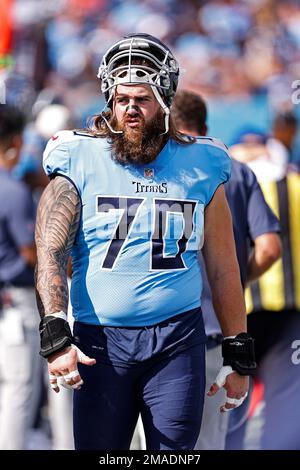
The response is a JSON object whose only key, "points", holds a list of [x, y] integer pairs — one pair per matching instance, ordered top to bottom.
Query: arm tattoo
{"points": [[56, 227]]}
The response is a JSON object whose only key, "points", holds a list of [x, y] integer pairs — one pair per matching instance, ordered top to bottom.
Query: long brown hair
{"points": [[98, 128]]}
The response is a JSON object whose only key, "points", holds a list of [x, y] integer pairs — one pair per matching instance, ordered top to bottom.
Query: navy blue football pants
{"points": [[167, 389]]}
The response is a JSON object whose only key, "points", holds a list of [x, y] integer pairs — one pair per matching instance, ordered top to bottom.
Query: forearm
{"points": [[56, 227], [266, 251], [257, 266], [222, 267], [51, 285], [228, 302]]}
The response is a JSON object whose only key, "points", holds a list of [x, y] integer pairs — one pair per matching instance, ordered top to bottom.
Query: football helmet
{"points": [[140, 59]]}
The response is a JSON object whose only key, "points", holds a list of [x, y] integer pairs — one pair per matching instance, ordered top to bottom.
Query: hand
{"points": [[62, 368], [235, 385]]}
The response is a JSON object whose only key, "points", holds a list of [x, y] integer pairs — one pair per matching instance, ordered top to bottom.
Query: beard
{"points": [[137, 145]]}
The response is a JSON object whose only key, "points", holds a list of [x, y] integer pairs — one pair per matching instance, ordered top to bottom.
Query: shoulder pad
{"points": [[63, 137], [211, 141]]}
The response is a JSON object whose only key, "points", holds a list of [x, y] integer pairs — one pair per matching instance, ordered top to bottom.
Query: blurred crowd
{"points": [[225, 47], [242, 56]]}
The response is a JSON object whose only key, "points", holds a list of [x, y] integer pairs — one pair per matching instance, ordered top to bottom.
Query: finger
{"points": [[83, 358], [58, 373], [73, 374], [222, 375], [73, 378], [220, 380], [53, 383], [64, 384], [68, 385], [77, 386], [213, 390], [231, 394], [239, 396], [232, 403], [227, 407]]}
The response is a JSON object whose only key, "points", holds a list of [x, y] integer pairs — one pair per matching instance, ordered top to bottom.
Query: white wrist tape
{"points": [[60, 314], [71, 375], [222, 375], [64, 383], [234, 401]]}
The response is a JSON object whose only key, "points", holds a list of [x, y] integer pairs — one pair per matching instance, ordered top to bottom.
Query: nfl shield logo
{"points": [[148, 173]]}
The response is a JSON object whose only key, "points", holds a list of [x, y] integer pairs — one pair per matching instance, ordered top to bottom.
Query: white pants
{"points": [[20, 366], [60, 409], [61, 421], [214, 424]]}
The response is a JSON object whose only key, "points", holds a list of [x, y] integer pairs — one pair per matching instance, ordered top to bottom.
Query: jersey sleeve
{"points": [[56, 158], [261, 218]]}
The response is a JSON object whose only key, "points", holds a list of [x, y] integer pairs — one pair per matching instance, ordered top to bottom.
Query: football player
{"points": [[129, 198]]}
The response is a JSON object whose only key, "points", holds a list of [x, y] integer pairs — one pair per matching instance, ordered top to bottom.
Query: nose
{"points": [[132, 109]]}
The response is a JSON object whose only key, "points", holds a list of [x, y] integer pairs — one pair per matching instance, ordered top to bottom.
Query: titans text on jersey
{"points": [[150, 188]]}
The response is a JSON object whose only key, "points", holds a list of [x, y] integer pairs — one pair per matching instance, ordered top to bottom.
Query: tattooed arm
{"points": [[57, 223]]}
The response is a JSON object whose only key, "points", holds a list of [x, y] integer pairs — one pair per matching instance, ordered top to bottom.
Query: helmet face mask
{"points": [[139, 59]]}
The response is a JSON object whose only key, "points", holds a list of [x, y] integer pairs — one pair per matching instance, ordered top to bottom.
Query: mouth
{"points": [[133, 122]]}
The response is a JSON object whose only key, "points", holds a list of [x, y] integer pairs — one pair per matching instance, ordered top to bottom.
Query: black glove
{"points": [[55, 335], [239, 353]]}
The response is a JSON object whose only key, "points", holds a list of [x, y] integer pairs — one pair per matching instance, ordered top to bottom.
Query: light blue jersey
{"points": [[135, 256]]}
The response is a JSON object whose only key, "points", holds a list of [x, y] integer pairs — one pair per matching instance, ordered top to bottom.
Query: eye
{"points": [[142, 99]]}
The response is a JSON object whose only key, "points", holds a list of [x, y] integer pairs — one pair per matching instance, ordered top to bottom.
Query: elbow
{"points": [[270, 249], [274, 250], [277, 251], [270, 257]]}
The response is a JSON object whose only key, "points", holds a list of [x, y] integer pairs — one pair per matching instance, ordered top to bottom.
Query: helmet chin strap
{"points": [[165, 108], [104, 118], [108, 125]]}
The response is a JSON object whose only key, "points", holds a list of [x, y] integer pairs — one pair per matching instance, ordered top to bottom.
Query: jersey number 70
{"points": [[129, 210]]}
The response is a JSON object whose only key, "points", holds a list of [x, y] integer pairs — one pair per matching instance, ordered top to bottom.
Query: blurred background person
{"points": [[50, 119], [268, 156], [258, 246], [273, 304], [19, 341]]}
